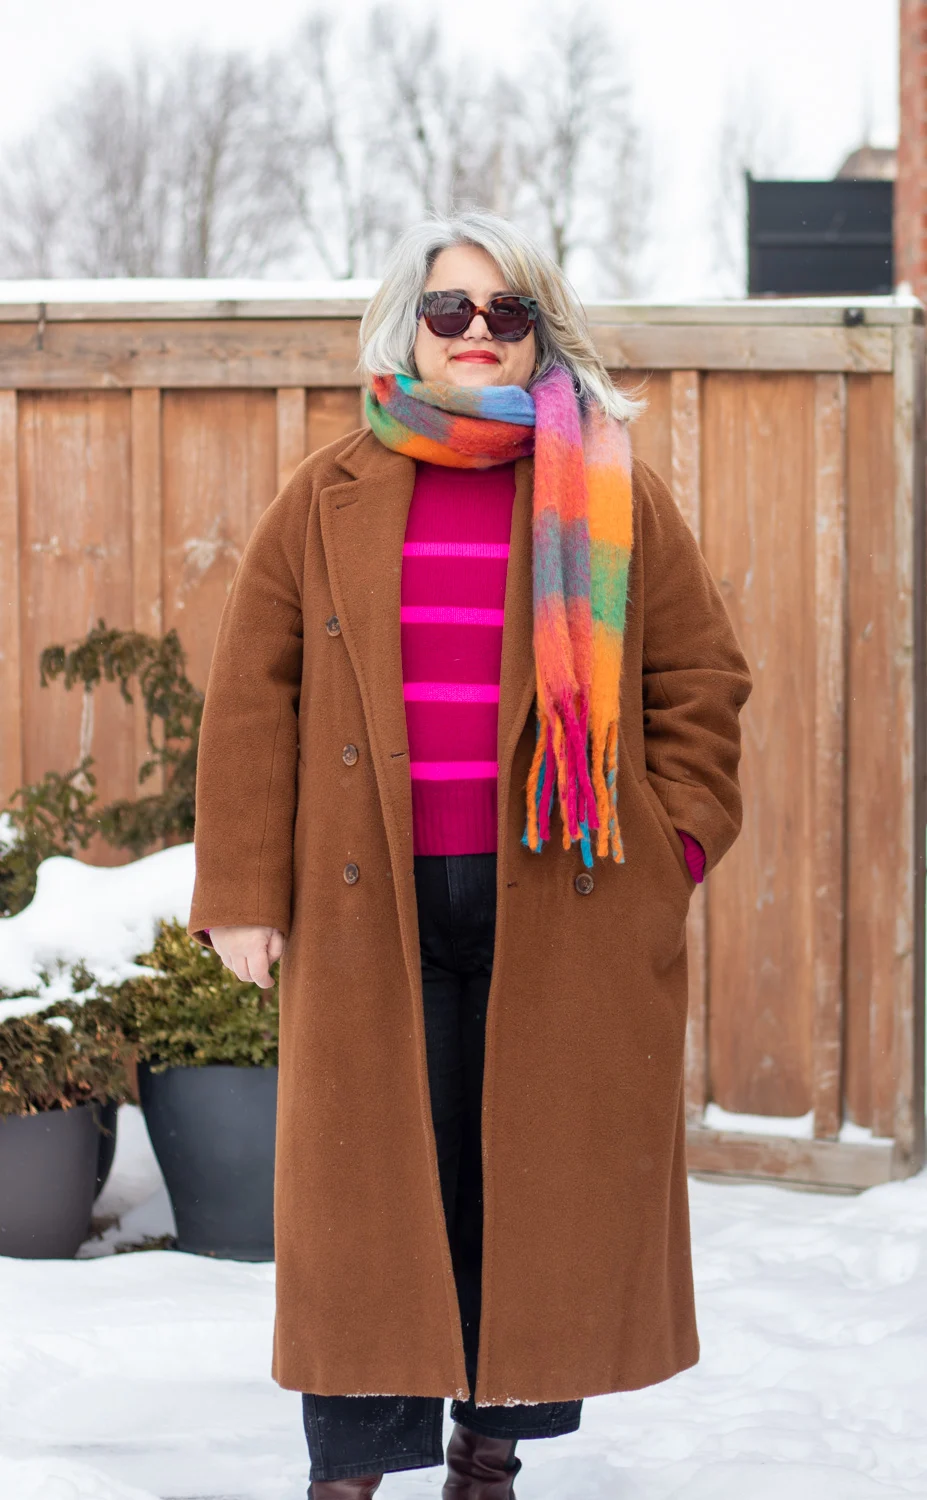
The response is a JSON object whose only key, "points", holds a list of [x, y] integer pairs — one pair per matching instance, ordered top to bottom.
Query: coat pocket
{"points": [[668, 834]]}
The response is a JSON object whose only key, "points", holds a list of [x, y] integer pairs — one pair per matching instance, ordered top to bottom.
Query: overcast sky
{"points": [[827, 70]]}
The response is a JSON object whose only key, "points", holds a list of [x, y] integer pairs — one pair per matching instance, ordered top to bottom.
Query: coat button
{"points": [[333, 626], [349, 755], [351, 874], [584, 883]]}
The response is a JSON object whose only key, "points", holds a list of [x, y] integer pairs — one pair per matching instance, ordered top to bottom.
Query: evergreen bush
{"points": [[173, 712], [60, 814], [51, 816], [192, 1011], [65, 1054]]}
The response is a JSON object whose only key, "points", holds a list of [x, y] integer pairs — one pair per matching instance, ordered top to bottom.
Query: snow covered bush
{"points": [[191, 1011], [70, 1053]]}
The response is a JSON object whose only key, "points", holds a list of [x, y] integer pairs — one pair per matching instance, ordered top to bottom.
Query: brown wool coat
{"points": [[587, 1283]]}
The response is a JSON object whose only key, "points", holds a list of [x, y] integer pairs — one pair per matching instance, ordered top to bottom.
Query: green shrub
{"points": [[173, 712], [60, 814], [53, 816], [193, 1011], [45, 1064]]}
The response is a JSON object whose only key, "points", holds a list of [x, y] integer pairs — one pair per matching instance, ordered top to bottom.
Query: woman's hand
{"points": [[248, 951]]}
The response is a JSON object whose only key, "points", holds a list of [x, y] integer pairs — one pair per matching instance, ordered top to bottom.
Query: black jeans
{"points": [[353, 1435]]}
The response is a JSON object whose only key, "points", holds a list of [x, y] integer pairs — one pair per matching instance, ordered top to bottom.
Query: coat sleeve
{"points": [[695, 679], [246, 768]]}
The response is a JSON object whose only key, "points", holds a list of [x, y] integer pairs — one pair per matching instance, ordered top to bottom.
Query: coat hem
{"points": [[608, 1387]]}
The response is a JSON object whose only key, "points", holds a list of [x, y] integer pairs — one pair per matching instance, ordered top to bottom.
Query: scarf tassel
{"points": [[588, 804]]}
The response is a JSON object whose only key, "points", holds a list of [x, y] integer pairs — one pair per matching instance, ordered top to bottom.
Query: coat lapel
{"points": [[363, 527]]}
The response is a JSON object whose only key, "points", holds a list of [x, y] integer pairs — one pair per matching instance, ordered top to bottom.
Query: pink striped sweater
{"points": [[454, 563]]}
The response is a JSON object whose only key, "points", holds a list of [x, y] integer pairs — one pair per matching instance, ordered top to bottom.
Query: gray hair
{"points": [[390, 323]]}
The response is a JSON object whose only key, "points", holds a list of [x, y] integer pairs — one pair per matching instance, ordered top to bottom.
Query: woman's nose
{"points": [[478, 328]]}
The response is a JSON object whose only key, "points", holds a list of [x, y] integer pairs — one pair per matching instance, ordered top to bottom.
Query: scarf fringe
{"points": [[591, 803]]}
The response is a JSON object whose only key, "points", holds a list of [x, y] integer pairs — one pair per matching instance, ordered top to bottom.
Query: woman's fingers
{"points": [[248, 952], [259, 966]]}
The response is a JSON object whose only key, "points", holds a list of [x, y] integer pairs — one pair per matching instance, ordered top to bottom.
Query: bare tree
{"points": [[444, 124], [116, 128], [752, 138], [329, 152], [580, 161], [211, 163], [154, 170], [33, 204], [230, 216]]}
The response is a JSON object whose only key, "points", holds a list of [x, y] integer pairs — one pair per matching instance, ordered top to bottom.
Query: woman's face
{"points": [[474, 357]]}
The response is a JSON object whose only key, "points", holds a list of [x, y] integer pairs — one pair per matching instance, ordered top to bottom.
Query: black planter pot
{"points": [[107, 1122], [213, 1132], [48, 1172]]}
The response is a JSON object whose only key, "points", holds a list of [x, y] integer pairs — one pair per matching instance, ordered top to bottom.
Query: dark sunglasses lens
{"points": [[448, 316], [508, 319]]}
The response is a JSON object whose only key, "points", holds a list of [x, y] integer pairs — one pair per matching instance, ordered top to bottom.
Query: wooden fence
{"points": [[139, 443]]}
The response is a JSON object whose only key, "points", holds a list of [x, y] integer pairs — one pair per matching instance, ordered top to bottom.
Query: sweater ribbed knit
{"points": [[454, 564]]}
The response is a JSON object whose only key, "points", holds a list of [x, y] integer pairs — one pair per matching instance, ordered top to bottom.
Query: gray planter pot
{"points": [[108, 1122], [213, 1131], [48, 1174]]}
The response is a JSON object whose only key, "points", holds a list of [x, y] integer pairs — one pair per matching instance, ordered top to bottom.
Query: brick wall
{"points": [[911, 182]]}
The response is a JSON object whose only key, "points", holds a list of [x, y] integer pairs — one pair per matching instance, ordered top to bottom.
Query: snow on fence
{"points": [[141, 438]]}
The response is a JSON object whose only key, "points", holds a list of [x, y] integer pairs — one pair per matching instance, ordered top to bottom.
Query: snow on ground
{"points": [[164, 289], [186, 289], [104, 917], [798, 1127], [149, 1372], [145, 1376]]}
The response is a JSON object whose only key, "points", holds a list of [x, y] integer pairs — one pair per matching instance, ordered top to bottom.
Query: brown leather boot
{"points": [[480, 1468], [345, 1489]]}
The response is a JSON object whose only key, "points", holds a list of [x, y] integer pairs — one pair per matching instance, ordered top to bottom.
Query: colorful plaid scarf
{"points": [[581, 552]]}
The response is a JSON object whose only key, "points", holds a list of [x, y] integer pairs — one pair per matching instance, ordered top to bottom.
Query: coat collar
{"points": [[363, 528]]}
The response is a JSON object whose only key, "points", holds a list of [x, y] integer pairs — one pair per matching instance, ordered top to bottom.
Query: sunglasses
{"points": [[508, 318]]}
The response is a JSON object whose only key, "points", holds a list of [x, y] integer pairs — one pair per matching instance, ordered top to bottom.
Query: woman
{"points": [[472, 845]]}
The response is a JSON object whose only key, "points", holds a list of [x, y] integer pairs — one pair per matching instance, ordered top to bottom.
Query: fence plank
{"points": [[818, 312], [703, 347], [323, 352], [180, 355], [330, 415], [291, 432], [651, 432], [220, 472], [685, 474], [758, 507], [147, 542], [76, 550], [830, 583], [11, 720], [873, 813], [903, 1074], [821, 1163]]}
